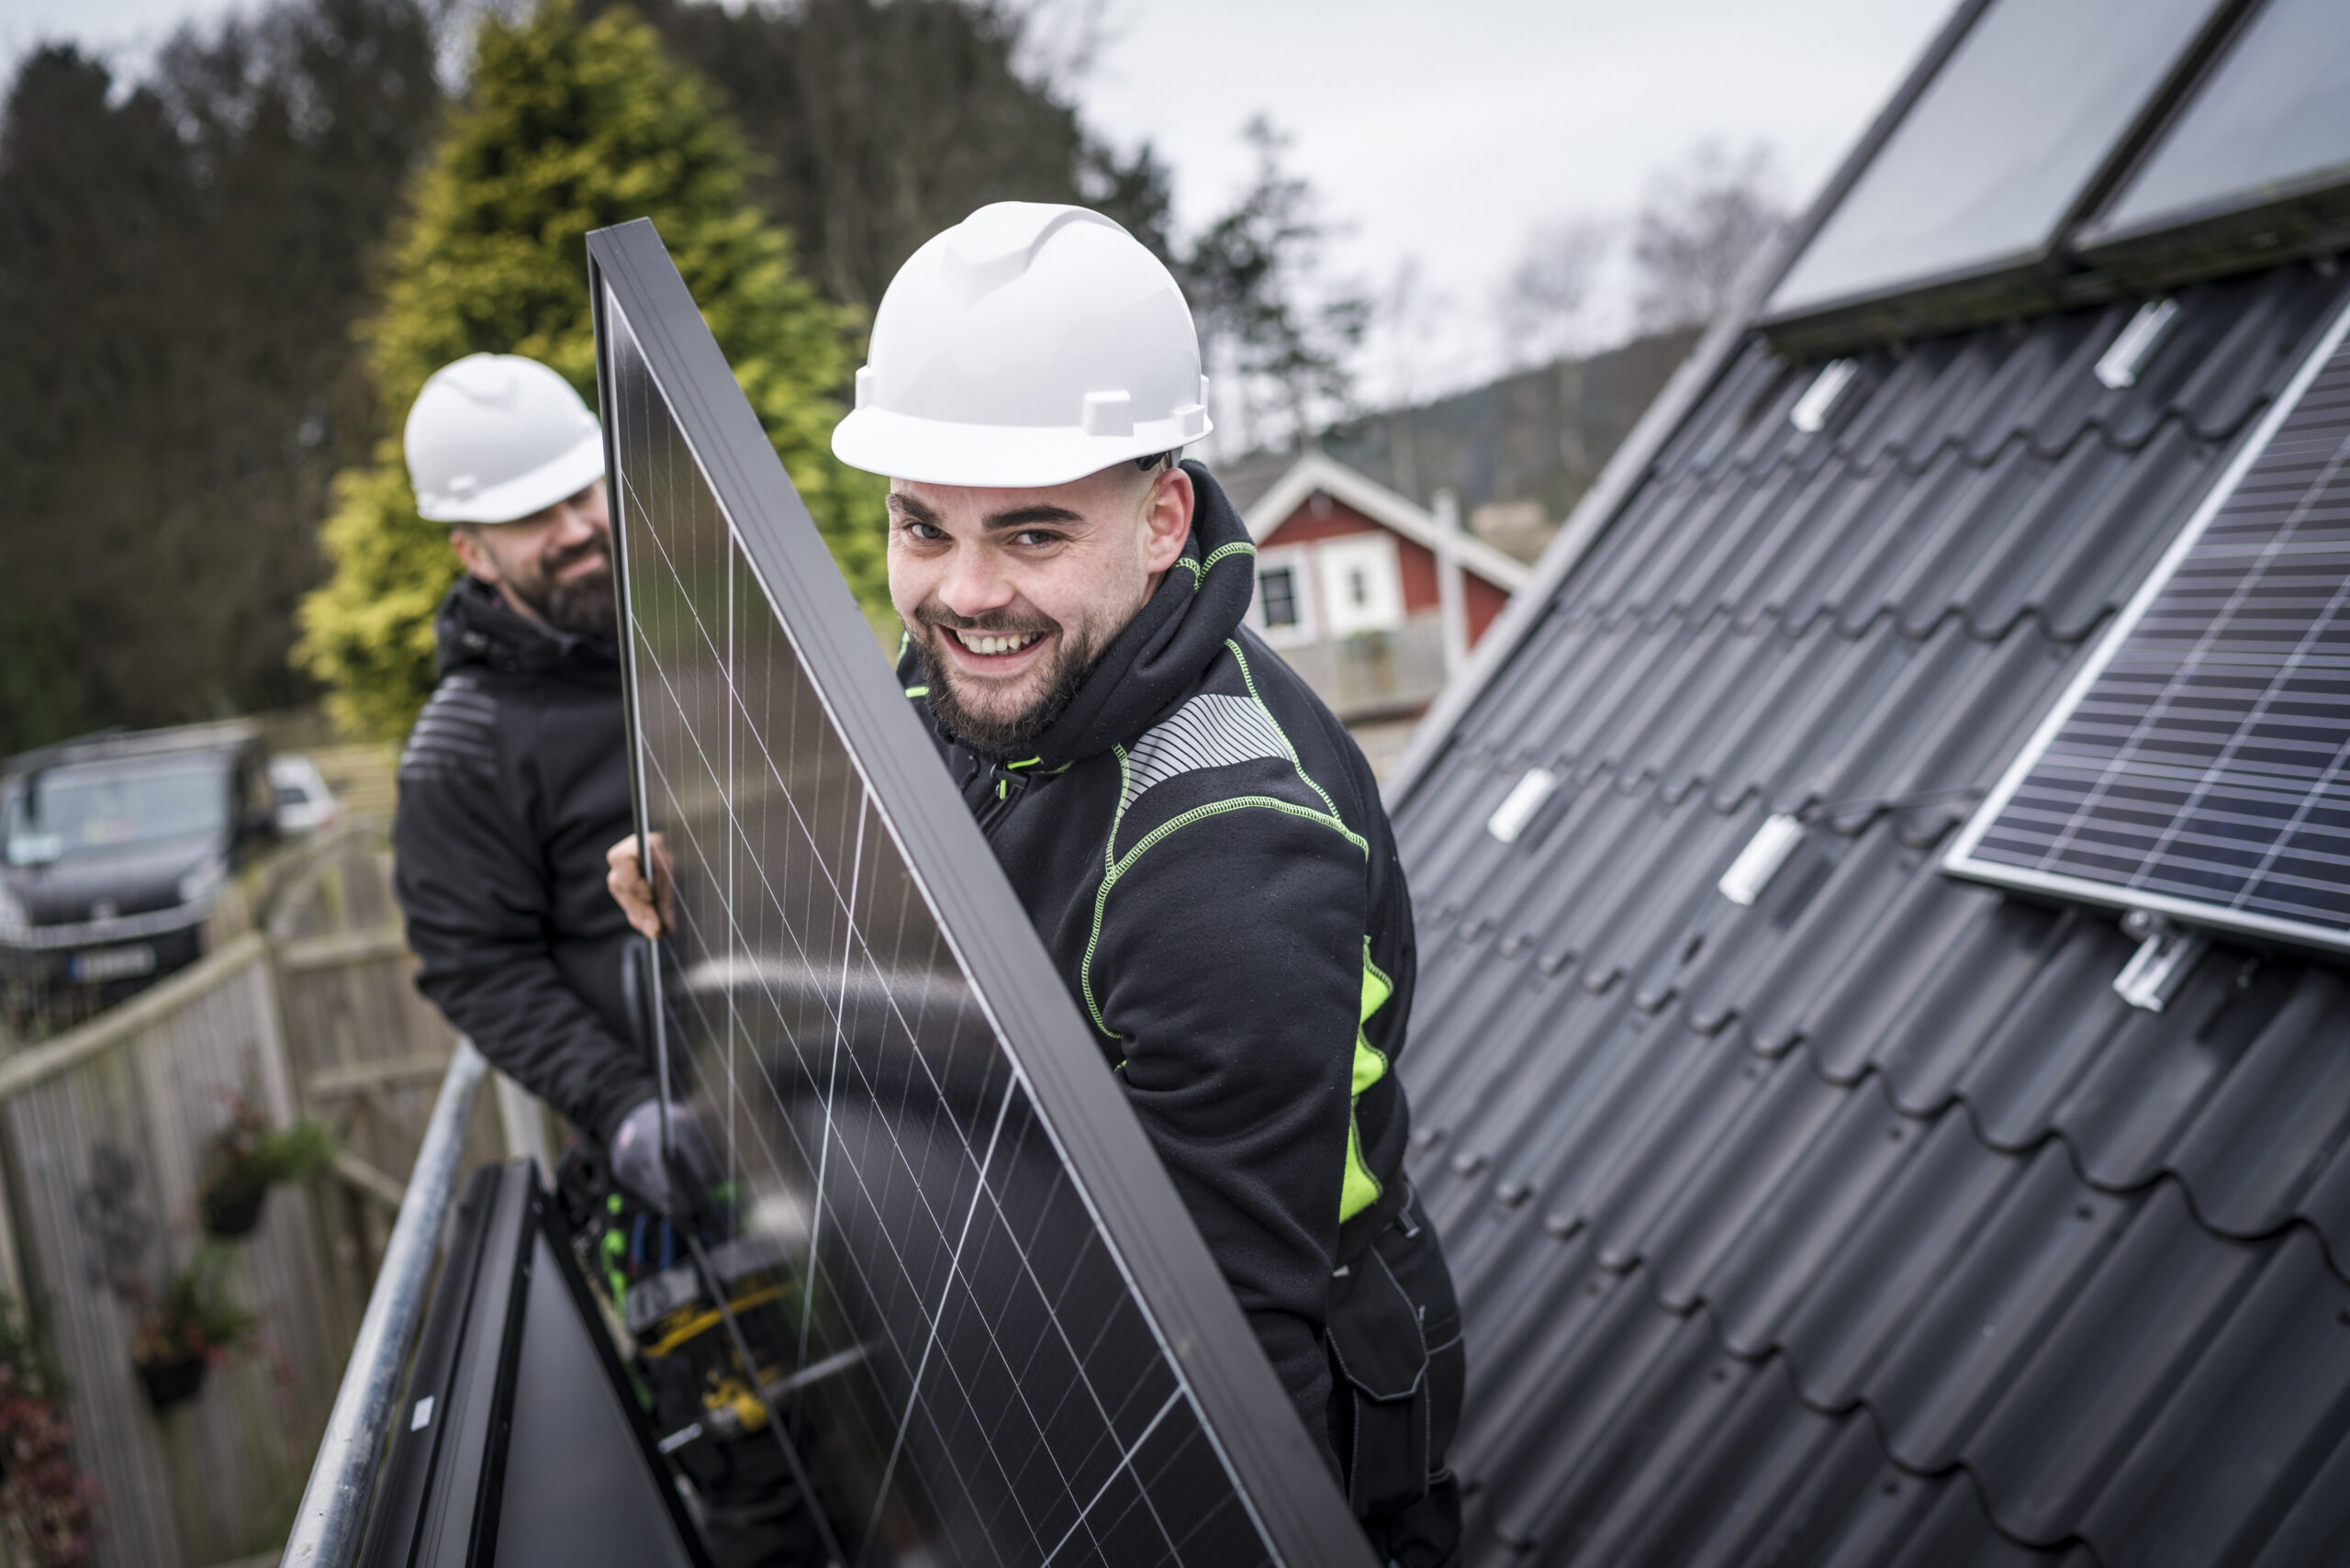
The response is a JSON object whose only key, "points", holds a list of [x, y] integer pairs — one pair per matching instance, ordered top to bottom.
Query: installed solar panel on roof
{"points": [[2270, 120], [1996, 151], [2200, 765], [1009, 1344]]}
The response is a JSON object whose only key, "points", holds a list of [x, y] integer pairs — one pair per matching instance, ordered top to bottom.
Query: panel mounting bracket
{"points": [[1818, 400], [1760, 859], [2166, 955]]}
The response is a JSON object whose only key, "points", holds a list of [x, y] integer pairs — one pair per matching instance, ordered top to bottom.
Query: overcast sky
{"points": [[1444, 132], [1439, 133]]}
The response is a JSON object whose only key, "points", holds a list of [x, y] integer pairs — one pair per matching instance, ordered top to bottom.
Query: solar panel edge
{"points": [[1914, 86], [1997, 272], [1964, 860], [2189, 911], [1243, 1408]]}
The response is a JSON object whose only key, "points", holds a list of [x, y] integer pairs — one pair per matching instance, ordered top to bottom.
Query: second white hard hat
{"points": [[1030, 344], [495, 437]]}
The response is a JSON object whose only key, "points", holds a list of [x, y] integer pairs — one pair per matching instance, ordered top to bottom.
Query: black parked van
{"points": [[114, 849]]}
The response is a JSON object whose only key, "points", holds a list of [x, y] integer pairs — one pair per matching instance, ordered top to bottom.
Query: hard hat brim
{"points": [[934, 452], [526, 494]]}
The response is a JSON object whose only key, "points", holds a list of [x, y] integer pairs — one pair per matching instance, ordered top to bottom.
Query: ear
{"points": [[1167, 519], [472, 556]]}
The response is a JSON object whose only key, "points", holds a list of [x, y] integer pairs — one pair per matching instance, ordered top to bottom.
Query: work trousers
{"points": [[1394, 1341]]}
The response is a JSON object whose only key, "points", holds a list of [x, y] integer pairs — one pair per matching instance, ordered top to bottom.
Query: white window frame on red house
{"points": [[1298, 561], [1361, 584]]}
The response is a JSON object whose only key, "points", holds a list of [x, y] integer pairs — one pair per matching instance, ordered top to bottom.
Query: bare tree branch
{"points": [[1697, 227], [1543, 306]]}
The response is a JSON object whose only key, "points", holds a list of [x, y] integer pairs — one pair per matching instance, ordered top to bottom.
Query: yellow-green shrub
{"points": [[567, 127]]}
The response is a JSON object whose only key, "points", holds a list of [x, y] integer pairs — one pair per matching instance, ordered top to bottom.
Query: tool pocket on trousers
{"points": [[1379, 1360]]}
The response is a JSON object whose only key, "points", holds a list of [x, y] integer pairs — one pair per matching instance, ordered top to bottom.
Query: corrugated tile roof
{"points": [[1866, 1223]]}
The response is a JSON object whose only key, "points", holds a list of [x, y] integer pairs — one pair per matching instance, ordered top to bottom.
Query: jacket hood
{"points": [[474, 628], [1153, 664]]}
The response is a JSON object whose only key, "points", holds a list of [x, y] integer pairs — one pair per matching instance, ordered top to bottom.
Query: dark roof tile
{"points": [[1941, 490], [1757, 1210], [1991, 1308], [2258, 1419], [2071, 1420]]}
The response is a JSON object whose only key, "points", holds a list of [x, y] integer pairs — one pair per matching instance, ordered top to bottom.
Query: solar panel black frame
{"points": [[1964, 859], [1277, 1473], [456, 1487]]}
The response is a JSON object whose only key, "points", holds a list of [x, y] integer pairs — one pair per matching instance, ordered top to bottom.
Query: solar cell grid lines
{"points": [[2200, 765], [1003, 1351]]}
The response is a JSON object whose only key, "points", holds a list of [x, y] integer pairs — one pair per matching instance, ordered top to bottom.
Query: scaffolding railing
{"points": [[334, 1506]]}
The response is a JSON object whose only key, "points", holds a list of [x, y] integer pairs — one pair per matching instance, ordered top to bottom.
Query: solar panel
{"points": [[2269, 123], [1996, 151], [2200, 765], [1004, 1341], [517, 1441]]}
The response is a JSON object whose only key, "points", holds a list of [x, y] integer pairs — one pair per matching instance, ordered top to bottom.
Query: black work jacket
{"points": [[513, 784], [1202, 846]]}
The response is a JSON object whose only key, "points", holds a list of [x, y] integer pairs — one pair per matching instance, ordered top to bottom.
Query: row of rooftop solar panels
{"points": [[2131, 138]]}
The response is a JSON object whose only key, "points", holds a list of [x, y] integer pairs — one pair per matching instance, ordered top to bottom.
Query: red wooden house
{"points": [[1373, 598]]}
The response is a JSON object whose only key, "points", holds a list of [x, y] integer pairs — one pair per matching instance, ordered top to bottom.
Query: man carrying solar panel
{"points": [[516, 773], [514, 779], [1197, 839]]}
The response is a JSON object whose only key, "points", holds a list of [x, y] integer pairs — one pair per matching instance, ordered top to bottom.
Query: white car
{"points": [[305, 804]]}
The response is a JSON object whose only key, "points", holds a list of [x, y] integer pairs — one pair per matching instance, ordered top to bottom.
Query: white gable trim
{"points": [[1318, 471]]}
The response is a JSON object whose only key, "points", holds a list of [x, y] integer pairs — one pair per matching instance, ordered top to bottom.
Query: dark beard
{"points": [[585, 607], [1073, 663]]}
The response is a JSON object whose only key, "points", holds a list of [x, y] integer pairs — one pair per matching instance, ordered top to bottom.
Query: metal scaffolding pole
{"points": [[334, 1505]]}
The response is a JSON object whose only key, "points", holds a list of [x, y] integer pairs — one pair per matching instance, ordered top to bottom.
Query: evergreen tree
{"points": [[569, 126]]}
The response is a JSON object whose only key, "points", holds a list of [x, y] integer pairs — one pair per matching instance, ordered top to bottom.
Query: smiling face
{"points": [[553, 566], [1011, 595]]}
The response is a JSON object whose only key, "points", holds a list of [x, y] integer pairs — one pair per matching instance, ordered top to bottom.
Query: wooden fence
{"points": [[106, 1130]]}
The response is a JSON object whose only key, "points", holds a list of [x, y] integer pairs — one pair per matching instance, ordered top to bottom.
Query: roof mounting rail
{"points": [[2118, 367], [1812, 410]]}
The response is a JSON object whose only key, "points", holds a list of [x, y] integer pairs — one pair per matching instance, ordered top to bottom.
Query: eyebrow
{"points": [[900, 502], [1018, 517], [1029, 517]]}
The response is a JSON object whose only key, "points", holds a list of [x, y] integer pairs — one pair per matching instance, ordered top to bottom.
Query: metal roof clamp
{"points": [[2118, 367], [1818, 400], [1527, 796], [1760, 859], [2166, 954]]}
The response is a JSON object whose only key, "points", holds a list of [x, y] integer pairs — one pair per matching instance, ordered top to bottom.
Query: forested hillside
{"points": [[186, 259], [191, 259]]}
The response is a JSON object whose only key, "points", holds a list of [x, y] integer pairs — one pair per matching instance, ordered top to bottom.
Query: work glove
{"points": [[637, 1164]]}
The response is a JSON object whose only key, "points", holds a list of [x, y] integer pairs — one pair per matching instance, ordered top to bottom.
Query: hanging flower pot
{"points": [[248, 1158], [230, 1212], [192, 1325], [173, 1381]]}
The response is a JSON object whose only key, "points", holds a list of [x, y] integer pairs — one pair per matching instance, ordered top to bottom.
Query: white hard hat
{"points": [[1030, 344], [495, 437]]}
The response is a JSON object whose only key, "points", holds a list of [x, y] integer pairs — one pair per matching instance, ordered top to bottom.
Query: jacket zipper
{"points": [[1003, 789]]}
